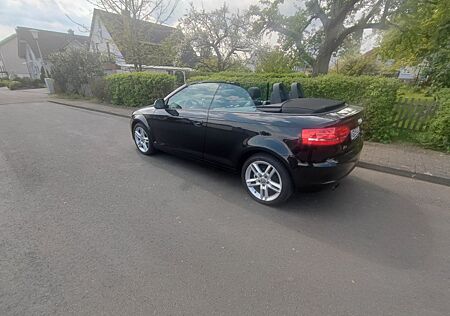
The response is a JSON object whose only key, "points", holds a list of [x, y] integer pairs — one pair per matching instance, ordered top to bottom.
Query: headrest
{"points": [[296, 91], [255, 93], [279, 93]]}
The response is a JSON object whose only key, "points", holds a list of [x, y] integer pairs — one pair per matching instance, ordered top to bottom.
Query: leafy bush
{"points": [[275, 61], [73, 68], [4, 83], [22, 83], [30, 83], [14, 85], [138, 88], [99, 89], [377, 95], [437, 135]]}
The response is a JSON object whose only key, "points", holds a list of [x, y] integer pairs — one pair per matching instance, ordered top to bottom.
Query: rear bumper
{"points": [[330, 171], [324, 173]]}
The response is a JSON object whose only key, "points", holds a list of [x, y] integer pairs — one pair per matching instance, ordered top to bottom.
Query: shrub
{"points": [[73, 68], [4, 83], [21, 83], [30, 83], [14, 85], [138, 88], [99, 89], [377, 95], [437, 135]]}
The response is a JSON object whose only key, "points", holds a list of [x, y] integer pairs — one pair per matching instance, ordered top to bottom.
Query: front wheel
{"points": [[143, 140], [266, 179]]}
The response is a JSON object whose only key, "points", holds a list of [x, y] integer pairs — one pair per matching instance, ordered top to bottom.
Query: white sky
{"points": [[51, 14]]}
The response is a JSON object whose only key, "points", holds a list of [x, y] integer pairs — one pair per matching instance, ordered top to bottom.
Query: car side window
{"points": [[194, 97], [232, 98]]}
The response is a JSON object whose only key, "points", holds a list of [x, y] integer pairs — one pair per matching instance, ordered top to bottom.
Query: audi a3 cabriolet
{"points": [[277, 145]]}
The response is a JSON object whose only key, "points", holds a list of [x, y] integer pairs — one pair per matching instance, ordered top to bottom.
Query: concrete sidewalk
{"points": [[398, 159]]}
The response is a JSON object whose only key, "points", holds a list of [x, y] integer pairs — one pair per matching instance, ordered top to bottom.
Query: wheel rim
{"points": [[141, 139], [263, 181]]}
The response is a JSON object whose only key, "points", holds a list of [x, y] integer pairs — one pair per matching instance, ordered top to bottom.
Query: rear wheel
{"points": [[143, 140], [266, 179]]}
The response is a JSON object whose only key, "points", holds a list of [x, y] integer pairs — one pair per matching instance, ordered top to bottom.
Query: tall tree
{"points": [[158, 11], [132, 13], [320, 27], [422, 36], [219, 37]]}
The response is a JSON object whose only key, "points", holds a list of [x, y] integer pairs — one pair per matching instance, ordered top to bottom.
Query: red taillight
{"points": [[327, 136]]}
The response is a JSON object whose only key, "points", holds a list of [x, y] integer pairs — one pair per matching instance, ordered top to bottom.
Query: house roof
{"points": [[148, 32], [8, 38], [49, 41]]}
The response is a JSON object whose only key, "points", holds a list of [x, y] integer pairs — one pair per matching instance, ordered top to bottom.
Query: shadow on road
{"points": [[359, 217]]}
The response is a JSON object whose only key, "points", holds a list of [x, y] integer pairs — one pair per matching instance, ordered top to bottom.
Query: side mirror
{"points": [[159, 104]]}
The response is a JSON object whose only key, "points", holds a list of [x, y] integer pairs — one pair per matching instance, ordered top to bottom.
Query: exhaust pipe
{"points": [[335, 186]]}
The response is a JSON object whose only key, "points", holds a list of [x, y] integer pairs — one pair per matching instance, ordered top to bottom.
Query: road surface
{"points": [[88, 226]]}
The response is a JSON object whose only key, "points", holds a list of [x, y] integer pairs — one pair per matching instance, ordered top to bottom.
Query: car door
{"points": [[180, 127], [227, 127]]}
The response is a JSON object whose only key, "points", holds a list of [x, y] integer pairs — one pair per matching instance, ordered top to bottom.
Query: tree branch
{"points": [[317, 12]]}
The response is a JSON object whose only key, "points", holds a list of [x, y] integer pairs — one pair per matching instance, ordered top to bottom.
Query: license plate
{"points": [[354, 133]]}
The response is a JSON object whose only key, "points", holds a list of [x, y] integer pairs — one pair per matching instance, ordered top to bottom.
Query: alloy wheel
{"points": [[141, 139], [263, 180]]}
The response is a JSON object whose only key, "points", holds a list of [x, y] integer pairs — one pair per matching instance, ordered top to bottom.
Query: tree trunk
{"points": [[330, 44], [322, 63]]}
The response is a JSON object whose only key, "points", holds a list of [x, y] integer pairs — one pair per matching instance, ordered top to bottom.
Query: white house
{"points": [[107, 36], [34, 47], [10, 62]]}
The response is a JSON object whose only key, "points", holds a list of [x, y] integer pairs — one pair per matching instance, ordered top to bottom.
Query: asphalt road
{"points": [[89, 226]]}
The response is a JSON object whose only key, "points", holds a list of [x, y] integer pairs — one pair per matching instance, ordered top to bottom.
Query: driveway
{"points": [[89, 226]]}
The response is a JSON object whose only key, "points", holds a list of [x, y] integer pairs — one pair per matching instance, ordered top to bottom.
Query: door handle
{"points": [[198, 123]]}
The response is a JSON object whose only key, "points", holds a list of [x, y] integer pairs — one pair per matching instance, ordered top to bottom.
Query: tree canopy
{"points": [[319, 28], [422, 36], [221, 38], [274, 60]]}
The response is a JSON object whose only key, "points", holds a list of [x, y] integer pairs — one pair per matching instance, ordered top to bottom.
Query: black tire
{"points": [[150, 147], [287, 187]]}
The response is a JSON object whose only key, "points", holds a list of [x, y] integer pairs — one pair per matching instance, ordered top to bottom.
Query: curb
{"points": [[89, 109], [361, 164], [404, 173]]}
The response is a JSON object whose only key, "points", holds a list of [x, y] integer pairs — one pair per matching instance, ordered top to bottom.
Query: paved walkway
{"points": [[400, 159], [407, 160]]}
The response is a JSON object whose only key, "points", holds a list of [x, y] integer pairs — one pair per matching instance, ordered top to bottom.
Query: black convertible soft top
{"points": [[310, 105]]}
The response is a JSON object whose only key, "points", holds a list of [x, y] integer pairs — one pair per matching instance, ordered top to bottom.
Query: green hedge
{"points": [[4, 83], [22, 83], [14, 85], [138, 88], [377, 95], [437, 135]]}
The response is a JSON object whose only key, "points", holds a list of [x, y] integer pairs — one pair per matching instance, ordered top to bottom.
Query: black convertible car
{"points": [[277, 145]]}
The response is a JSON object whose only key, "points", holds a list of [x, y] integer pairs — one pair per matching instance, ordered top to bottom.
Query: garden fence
{"points": [[413, 114]]}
